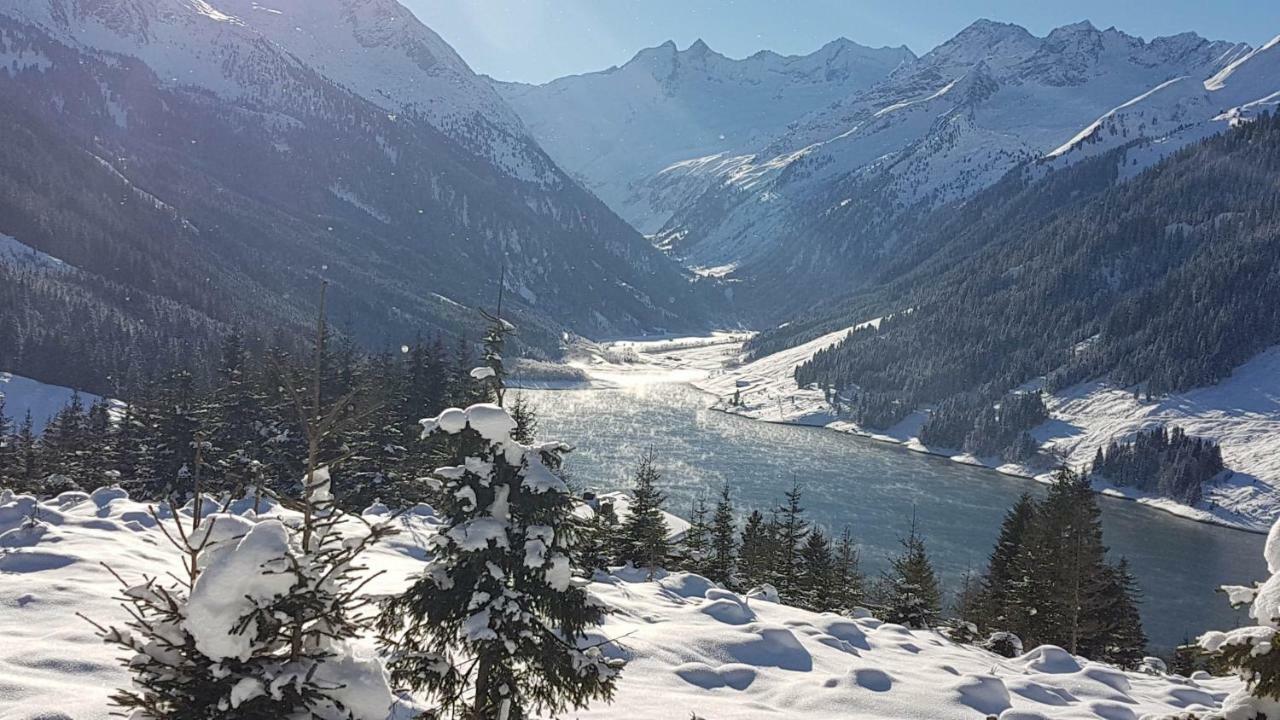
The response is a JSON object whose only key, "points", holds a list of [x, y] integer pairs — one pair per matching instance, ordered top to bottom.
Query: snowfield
{"points": [[42, 400], [1242, 413], [691, 647]]}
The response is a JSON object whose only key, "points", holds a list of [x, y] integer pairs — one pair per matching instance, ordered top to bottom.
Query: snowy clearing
{"points": [[23, 394], [691, 647]]}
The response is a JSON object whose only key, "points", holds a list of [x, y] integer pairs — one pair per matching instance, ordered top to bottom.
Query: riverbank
{"points": [[1240, 413]]}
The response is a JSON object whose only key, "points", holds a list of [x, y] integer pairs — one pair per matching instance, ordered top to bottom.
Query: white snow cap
{"points": [[491, 421], [234, 584]]}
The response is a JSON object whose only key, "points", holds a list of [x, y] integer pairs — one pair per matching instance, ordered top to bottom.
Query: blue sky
{"points": [[538, 40]]}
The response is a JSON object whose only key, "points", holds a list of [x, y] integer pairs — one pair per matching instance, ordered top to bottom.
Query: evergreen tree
{"points": [[26, 448], [8, 449], [1070, 514], [791, 530], [644, 531], [696, 544], [598, 548], [755, 556], [722, 561], [819, 574], [850, 584], [909, 588], [993, 610], [262, 625], [494, 626], [1112, 631]]}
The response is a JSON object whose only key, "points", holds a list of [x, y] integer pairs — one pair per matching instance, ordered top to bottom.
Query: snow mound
{"points": [[692, 647]]}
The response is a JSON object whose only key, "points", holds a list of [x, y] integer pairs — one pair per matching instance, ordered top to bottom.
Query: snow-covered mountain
{"points": [[243, 50], [1181, 111], [620, 129], [935, 130], [285, 138]]}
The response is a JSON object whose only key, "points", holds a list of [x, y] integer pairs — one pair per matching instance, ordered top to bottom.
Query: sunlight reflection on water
{"points": [[873, 487]]}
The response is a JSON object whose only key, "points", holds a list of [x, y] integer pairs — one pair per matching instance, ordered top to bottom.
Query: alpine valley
{"points": [[339, 381]]}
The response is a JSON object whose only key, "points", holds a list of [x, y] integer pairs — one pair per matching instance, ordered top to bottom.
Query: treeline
{"points": [[1161, 283], [967, 422], [248, 427], [1162, 460], [1048, 580]]}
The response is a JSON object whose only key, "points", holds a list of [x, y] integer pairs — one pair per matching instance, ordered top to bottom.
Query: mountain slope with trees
{"points": [[189, 204]]}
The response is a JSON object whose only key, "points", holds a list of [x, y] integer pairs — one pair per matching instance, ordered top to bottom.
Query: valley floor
{"points": [[1242, 413], [691, 647]]}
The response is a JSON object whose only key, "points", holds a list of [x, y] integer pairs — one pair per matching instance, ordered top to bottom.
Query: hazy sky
{"points": [[539, 40]]}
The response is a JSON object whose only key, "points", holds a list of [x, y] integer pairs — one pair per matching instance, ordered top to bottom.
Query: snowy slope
{"points": [[243, 49], [1181, 111], [620, 128], [935, 130], [43, 401], [691, 647]]}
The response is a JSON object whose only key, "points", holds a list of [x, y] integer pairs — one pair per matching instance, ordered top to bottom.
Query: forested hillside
{"points": [[184, 211], [1164, 282]]}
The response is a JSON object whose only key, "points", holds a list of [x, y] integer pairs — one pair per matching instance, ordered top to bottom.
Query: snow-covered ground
{"points": [[44, 401], [1242, 413], [691, 647]]}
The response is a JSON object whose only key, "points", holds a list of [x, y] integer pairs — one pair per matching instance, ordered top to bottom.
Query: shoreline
{"points": [[907, 447], [1202, 517]]}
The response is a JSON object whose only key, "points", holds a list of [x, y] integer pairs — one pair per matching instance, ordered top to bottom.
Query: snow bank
{"points": [[41, 399], [692, 647]]}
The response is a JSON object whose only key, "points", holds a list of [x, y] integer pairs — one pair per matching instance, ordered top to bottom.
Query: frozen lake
{"points": [[872, 487]]}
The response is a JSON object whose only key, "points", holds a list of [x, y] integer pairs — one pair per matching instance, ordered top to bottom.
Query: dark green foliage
{"points": [[255, 443], [1162, 460], [790, 529], [644, 531], [599, 546], [695, 546], [756, 551], [721, 562], [819, 574], [1048, 580], [849, 590], [909, 592], [525, 655]]}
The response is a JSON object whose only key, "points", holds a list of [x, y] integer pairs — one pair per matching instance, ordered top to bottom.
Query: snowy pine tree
{"points": [[644, 531], [790, 531], [695, 546], [755, 554], [721, 560], [819, 574], [909, 588], [850, 590], [994, 609], [260, 624], [495, 626], [1251, 651]]}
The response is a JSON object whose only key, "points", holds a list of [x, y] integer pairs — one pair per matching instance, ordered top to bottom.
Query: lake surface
{"points": [[873, 487]]}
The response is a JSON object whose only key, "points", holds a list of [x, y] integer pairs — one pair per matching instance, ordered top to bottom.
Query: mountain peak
{"points": [[698, 48]]}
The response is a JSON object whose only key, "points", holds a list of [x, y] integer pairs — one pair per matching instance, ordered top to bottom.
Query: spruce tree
{"points": [[26, 447], [8, 451], [1070, 513], [644, 530], [791, 530], [696, 544], [598, 548], [755, 556], [722, 560], [818, 578], [850, 584], [909, 588], [993, 609], [495, 625], [260, 626], [1112, 630]]}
